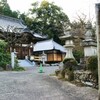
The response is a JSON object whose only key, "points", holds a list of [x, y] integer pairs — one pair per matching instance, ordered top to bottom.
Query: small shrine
{"points": [[89, 42], [48, 51]]}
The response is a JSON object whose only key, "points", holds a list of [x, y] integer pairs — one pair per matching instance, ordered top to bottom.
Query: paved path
{"points": [[31, 85]]}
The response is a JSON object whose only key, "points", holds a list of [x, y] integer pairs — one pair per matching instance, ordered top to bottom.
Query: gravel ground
{"points": [[32, 85]]}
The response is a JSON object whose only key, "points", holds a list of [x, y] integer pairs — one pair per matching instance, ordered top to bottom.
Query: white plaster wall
{"points": [[90, 51]]}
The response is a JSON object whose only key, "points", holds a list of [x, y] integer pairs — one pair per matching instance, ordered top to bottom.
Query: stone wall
{"points": [[85, 77]]}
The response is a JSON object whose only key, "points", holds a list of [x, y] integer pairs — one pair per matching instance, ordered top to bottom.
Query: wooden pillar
{"points": [[98, 43], [21, 51], [29, 52]]}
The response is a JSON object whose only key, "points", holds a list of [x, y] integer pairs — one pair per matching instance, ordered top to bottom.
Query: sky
{"points": [[72, 8]]}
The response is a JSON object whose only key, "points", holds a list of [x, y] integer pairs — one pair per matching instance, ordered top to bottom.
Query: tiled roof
{"points": [[10, 22], [48, 45]]}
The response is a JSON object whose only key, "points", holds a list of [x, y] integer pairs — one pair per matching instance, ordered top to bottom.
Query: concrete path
{"points": [[31, 85]]}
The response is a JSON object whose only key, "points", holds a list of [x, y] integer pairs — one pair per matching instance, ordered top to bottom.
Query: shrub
{"points": [[78, 54], [4, 55], [16, 62], [69, 63], [92, 63], [93, 66], [18, 69], [63, 74], [71, 75]]}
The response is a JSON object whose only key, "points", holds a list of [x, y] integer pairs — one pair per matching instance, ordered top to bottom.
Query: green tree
{"points": [[5, 9], [15, 14], [48, 19], [26, 20]]}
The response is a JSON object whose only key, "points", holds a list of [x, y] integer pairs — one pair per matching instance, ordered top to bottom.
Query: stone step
{"points": [[25, 63]]}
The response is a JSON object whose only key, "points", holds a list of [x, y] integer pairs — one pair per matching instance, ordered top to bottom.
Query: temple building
{"points": [[18, 36], [53, 51]]}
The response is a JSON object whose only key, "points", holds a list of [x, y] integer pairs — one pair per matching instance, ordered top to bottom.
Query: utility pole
{"points": [[97, 7]]}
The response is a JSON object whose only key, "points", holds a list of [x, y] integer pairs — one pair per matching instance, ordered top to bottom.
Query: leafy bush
{"points": [[78, 54], [4, 55], [16, 62], [69, 63], [92, 63], [93, 66], [68, 67], [18, 69], [63, 74], [71, 75]]}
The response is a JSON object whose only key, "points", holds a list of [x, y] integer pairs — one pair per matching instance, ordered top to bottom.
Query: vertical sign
{"points": [[12, 59]]}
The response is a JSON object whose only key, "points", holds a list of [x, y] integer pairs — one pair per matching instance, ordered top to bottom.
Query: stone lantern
{"points": [[68, 38], [89, 42]]}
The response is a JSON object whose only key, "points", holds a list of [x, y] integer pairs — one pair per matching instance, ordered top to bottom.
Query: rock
{"points": [[85, 77]]}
